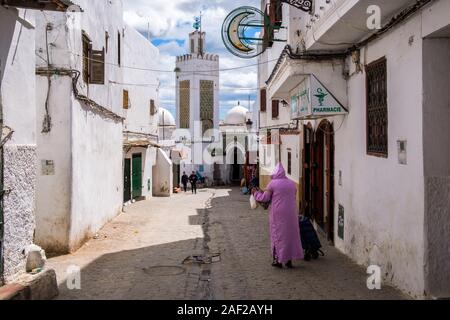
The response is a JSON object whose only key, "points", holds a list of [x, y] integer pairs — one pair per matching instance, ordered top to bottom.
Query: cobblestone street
{"points": [[205, 246]]}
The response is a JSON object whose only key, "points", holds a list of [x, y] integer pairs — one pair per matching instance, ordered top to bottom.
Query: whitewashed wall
{"points": [[142, 85], [17, 100], [162, 175], [86, 189], [383, 200]]}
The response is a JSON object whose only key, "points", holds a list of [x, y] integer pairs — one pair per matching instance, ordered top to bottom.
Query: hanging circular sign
{"points": [[243, 30]]}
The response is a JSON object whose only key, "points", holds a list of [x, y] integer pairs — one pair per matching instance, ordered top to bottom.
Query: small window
{"points": [[192, 46], [87, 47], [93, 62], [97, 67], [126, 100], [263, 102], [377, 108], [275, 109], [153, 110], [289, 166]]}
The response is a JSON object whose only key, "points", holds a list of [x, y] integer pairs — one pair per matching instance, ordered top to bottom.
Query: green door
{"points": [[137, 175], [127, 181]]}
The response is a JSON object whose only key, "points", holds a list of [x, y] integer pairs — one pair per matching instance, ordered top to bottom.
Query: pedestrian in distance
{"points": [[193, 180], [184, 181], [284, 228]]}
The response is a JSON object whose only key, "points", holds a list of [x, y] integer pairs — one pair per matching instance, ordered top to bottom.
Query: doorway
{"points": [[137, 175], [176, 175], [306, 177], [127, 181], [322, 181]]}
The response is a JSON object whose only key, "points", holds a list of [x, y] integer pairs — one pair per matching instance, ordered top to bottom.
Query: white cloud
{"points": [[171, 21]]}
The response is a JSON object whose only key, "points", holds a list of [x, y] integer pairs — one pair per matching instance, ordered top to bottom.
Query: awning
{"points": [[50, 5], [313, 89], [140, 144]]}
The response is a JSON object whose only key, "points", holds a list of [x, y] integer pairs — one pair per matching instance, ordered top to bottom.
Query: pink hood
{"points": [[279, 172]]}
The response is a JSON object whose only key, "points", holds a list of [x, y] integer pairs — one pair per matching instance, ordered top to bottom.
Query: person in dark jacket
{"points": [[193, 180], [184, 181]]}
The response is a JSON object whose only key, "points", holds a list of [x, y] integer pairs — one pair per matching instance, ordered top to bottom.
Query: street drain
{"points": [[160, 271]]}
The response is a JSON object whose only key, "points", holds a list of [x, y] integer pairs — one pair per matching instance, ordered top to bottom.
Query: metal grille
{"points": [[185, 104], [207, 104], [377, 109]]}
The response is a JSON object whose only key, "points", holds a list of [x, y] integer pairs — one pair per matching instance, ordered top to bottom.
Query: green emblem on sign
{"points": [[321, 96]]}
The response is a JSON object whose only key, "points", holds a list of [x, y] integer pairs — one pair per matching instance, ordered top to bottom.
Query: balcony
{"points": [[345, 23]]}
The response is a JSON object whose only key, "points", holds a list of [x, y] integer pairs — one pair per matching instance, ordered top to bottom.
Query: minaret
{"points": [[197, 96]]}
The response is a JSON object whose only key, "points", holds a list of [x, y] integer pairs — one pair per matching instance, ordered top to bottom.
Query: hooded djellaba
{"points": [[284, 228]]}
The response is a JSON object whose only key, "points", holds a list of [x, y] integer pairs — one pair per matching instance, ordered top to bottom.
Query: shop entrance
{"points": [[306, 177], [322, 178]]}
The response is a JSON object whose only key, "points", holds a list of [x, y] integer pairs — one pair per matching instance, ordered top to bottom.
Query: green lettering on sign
{"points": [[327, 109]]}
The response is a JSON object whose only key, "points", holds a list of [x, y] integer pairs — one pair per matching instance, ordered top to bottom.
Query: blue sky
{"points": [[170, 24]]}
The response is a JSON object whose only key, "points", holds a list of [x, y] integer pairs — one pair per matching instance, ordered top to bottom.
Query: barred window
{"points": [[377, 108]]}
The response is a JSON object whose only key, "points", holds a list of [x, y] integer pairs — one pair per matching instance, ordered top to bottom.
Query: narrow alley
{"points": [[205, 246]]}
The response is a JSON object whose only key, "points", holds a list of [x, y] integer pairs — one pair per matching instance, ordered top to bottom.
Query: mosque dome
{"points": [[237, 116], [166, 118]]}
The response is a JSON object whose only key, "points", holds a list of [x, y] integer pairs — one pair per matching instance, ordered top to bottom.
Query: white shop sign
{"points": [[311, 100]]}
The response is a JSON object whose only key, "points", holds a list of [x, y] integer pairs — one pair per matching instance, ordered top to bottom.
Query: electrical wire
{"points": [[173, 71], [180, 88]]}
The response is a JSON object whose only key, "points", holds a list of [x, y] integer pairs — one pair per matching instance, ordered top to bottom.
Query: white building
{"points": [[197, 102], [140, 107], [97, 120], [237, 137], [18, 140], [168, 143], [375, 179]]}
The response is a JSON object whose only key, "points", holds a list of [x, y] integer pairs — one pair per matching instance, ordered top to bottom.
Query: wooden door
{"points": [[317, 181], [329, 181]]}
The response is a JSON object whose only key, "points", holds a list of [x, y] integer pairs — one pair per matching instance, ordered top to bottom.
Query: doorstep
{"points": [[42, 286]]}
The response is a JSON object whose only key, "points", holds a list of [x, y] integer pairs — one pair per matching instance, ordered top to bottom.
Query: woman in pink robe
{"points": [[284, 227]]}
